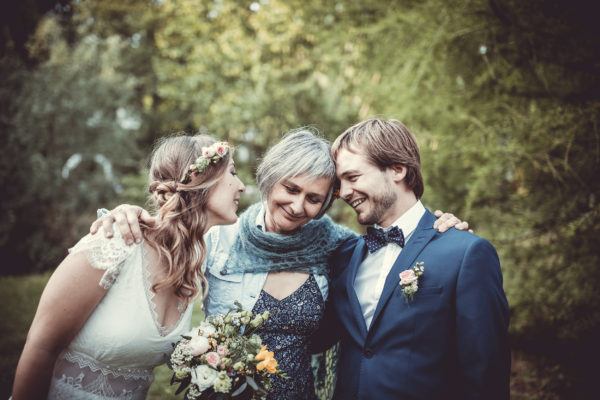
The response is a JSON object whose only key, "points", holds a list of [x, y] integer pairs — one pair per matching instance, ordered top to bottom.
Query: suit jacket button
{"points": [[223, 271], [368, 353]]}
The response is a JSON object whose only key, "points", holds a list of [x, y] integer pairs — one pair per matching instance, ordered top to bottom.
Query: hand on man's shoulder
{"points": [[461, 238]]}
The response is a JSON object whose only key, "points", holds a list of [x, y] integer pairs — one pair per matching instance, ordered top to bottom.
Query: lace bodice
{"points": [[114, 353]]}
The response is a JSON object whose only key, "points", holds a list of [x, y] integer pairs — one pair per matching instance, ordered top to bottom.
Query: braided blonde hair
{"points": [[181, 211]]}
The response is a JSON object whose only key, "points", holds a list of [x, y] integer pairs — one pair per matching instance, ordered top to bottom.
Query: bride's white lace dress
{"points": [[113, 355]]}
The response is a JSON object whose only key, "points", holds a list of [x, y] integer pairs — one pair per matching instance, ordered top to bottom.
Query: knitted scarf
{"points": [[307, 250]]}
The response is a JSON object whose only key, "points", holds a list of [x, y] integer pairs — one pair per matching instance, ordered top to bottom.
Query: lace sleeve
{"points": [[105, 254]]}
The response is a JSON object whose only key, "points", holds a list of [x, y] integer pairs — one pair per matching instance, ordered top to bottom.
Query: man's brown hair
{"points": [[385, 144]]}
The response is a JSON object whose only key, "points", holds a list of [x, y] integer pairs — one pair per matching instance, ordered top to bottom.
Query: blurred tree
{"points": [[19, 19], [251, 70], [80, 99]]}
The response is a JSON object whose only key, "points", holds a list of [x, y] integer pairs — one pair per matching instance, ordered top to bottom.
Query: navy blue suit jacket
{"points": [[449, 342]]}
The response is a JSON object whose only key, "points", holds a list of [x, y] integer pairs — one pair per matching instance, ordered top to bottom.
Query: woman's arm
{"points": [[127, 218], [69, 298]]}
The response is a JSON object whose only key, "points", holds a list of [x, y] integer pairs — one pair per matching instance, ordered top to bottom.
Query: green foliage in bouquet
{"points": [[224, 358]]}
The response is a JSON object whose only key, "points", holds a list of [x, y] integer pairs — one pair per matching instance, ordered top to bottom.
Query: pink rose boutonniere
{"points": [[409, 280]]}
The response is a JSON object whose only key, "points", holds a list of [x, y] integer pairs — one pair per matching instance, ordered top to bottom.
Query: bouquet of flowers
{"points": [[223, 358]]}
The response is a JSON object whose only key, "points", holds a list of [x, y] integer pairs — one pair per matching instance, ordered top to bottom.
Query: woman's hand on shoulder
{"points": [[127, 218], [446, 221]]}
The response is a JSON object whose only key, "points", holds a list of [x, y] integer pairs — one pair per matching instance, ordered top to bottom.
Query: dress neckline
{"points": [[310, 276], [149, 294]]}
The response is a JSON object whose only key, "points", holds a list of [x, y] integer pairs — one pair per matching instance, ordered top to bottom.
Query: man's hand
{"points": [[127, 218], [446, 221]]}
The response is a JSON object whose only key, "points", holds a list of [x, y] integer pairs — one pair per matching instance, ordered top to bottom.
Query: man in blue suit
{"points": [[440, 332]]}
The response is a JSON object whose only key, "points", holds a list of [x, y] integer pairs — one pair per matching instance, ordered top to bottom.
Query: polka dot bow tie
{"points": [[376, 238]]}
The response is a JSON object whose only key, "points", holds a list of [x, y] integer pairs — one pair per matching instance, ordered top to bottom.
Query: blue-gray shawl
{"points": [[307, 250]]}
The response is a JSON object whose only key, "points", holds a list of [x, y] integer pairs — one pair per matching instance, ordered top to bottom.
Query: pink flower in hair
{"points": [[222, 149], [208, 151]]}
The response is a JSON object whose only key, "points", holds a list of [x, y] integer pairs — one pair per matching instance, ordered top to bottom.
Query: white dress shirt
{"points": [[374, 269]]}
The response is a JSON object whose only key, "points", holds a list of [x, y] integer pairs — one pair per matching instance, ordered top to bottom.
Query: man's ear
{"points": [[398, 172]]}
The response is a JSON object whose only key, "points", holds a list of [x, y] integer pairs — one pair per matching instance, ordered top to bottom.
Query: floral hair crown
{"points": [[212, 153]]}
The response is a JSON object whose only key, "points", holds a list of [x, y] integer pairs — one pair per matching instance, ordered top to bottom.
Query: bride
{"points": [[110, 311]]}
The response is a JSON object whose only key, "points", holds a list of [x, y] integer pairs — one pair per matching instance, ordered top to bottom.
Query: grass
{"points": [[19, 298], [531, 377]]}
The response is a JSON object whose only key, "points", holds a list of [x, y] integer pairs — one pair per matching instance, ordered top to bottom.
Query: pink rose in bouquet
{"points": [[213, 359]]}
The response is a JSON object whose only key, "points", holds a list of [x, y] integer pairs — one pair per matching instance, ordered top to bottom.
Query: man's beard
{"points": [[380, 204]]}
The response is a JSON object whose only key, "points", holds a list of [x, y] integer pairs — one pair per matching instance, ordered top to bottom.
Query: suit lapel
{"points": [[422, 235], [357, 258]]}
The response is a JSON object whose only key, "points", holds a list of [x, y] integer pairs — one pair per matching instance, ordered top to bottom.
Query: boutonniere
{"points": [[409, 280]]}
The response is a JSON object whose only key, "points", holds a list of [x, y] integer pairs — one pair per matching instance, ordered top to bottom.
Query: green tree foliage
{"points": [[248, 70], [79, 99]]}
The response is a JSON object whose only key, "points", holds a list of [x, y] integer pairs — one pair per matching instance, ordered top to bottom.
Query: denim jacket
{"points": [[226, 288]]}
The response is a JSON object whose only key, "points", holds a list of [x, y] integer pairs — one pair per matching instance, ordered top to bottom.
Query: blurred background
{"points": [[502, 95]]}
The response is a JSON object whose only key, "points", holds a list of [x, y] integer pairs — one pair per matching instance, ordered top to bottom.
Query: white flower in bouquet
{"points": [[234, 319], [218, 320], [207, 329], [256, 340], [198, 345], [181, 356], [225, 363], [238, 366], [181, 371], [203, 376], [222, 383], [193, 392]]}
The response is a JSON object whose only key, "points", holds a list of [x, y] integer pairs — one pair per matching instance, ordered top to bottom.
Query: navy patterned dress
{"points": [[287, 331]]}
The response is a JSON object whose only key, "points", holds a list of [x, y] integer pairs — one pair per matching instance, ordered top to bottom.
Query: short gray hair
{"points": [[301, 151]]}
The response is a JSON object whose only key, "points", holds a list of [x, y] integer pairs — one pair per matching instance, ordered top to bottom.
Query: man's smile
{"points": [[357, 202]]}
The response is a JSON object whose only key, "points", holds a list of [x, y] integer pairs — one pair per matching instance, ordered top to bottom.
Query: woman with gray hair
{"points": [[275, 258]]}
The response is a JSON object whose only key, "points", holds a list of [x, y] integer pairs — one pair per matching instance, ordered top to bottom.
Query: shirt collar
{"points": [[260, 218], [409, 220]]}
